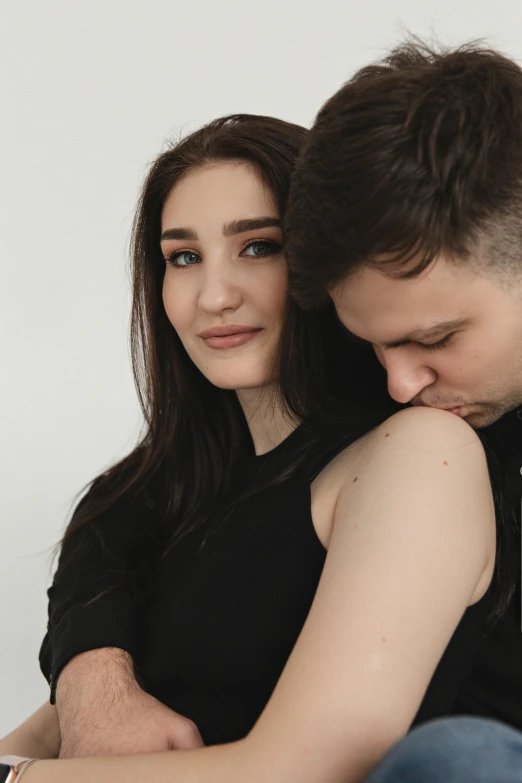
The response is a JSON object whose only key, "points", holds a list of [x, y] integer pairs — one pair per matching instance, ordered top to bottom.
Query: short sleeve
{"points": [[93, 598]]}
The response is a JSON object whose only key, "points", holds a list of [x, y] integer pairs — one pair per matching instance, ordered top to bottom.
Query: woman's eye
{"points": [[260, 248], [183, 258]]}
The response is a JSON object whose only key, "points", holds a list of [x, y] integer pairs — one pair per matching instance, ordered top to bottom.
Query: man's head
{"points": [[406, 209]]}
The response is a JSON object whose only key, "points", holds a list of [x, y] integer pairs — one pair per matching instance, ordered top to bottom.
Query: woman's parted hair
{"points": [[195, 432]]}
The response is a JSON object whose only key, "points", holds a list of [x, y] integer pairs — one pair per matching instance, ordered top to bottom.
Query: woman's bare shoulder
{"points": [[426, 427], [429, 430]]}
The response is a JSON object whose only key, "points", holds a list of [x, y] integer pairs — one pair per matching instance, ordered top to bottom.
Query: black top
{"points": [[230, 602], [494, 686]]}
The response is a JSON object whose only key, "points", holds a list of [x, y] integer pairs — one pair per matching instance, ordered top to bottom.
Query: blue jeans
{"points": [[454, 750]]}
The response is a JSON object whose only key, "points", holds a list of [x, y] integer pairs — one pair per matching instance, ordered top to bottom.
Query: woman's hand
{"points": [[104, 712]]}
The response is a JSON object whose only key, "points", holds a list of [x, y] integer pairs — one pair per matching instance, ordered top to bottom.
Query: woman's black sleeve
{"points": [[93, 601]]}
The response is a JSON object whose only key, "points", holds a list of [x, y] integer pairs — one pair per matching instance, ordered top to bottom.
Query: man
{"points": [[406, 210]]}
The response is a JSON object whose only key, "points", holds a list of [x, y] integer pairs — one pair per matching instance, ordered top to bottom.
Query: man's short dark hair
{"points": [[416, 155]]}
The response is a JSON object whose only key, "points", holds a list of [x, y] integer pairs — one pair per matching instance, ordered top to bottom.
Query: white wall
{"points": [[89, 90]]}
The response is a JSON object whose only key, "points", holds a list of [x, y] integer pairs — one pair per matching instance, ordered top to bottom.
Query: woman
{"points": [[259, 458]]}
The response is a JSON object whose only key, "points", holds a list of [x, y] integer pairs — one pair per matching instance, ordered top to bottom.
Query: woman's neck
{"points": [[267, 422]]}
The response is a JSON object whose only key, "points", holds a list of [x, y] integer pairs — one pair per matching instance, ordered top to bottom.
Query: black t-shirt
{"points": [[229, 601], [494, 687]]}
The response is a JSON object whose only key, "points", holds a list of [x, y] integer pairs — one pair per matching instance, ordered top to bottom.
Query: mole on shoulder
{"points": [[387, 435], [445, 463], [355, 479]]}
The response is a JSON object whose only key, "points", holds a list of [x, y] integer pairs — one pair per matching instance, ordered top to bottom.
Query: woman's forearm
{"points": [[37, 737], [244, 761], [216, 764]]}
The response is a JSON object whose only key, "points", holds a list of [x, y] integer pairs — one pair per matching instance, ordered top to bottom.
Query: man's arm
{"points": [[93, 634], [103, 710]]}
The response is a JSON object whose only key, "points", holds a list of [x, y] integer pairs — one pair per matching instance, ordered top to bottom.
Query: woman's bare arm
{"points": [[412, 542], [37, 737]]}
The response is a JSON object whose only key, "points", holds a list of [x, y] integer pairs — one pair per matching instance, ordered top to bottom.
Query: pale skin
{"points": [[402, 563], [37, 737]]}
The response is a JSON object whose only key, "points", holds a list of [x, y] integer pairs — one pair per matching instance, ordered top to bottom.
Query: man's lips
{"points": [[457, 410]]}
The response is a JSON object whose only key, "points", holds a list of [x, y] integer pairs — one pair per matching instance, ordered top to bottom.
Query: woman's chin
{"points": [[236, 382]]}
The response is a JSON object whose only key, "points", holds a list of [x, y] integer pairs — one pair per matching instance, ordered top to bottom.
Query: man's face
{"points": [[450, 338]]}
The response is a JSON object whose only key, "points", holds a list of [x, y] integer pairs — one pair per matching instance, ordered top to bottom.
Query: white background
{"points": [[89, 91]]}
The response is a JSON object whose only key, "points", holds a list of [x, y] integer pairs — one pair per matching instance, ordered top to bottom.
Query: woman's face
{"points": [[225, 280]]}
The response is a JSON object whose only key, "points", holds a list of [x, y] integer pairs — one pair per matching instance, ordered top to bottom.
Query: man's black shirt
{"points": [[494, 686]]}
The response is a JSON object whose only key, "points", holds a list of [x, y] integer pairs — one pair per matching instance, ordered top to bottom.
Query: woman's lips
{"points": [[231, 340]]}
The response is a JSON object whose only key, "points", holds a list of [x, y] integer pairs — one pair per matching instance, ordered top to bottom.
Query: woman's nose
{"points": [[219, 289]]}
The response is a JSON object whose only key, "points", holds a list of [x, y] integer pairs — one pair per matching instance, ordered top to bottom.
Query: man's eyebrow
{"points": [[250, 224], [229, 230], [418, 335]]}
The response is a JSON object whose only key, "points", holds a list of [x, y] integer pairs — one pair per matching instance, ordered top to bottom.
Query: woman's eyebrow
{"points": [[250, 224], [230, 229], [178, 233]]}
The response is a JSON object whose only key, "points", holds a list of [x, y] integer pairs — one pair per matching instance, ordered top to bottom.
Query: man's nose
{"points": [[219, 289], [406, 378]]}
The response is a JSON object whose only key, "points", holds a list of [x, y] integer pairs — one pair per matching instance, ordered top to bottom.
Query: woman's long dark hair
{"points": [[195, 433]]}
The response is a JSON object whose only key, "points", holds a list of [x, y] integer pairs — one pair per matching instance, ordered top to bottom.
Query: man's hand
{"points": [[103, 710]]}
